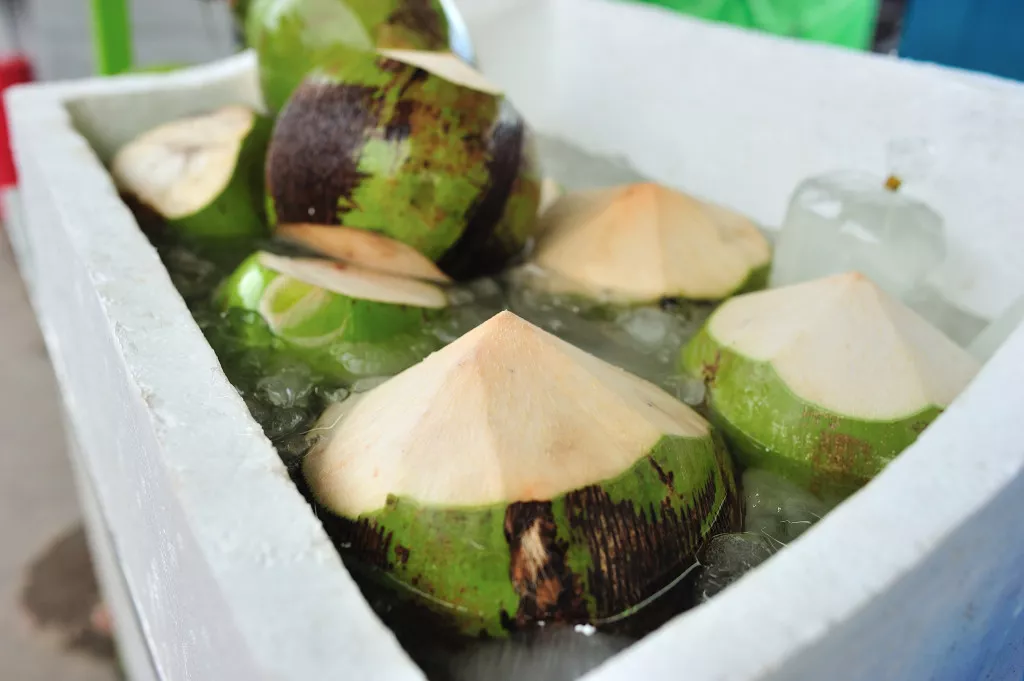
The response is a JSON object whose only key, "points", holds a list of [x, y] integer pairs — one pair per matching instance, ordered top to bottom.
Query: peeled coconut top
{"points": [[444, 65], [180, 167], [642, 242], [365, 249], [355, 282], [844, 344], [506, 413]]}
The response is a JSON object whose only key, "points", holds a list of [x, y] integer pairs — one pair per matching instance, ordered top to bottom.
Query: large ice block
{"points": [[850, 220], [995, 334]]}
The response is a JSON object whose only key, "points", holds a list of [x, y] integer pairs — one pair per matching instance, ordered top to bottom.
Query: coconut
{"points": [[291, 37], [416, 146], [203, 175], [641, 243], [314, 303], [824, 382], [511, 478]]}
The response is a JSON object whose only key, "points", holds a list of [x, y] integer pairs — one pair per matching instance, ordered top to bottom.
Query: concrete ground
{"points": [[46, 587], [48, 618]]}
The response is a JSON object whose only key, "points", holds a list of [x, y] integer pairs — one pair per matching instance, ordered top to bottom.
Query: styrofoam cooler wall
{"points": [[919, 576]]}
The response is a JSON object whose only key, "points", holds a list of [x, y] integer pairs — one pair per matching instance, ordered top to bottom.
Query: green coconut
{"points": [[291, 37], [416, 146], [202, 175], [642, 243], [314, 304], [824, 382], [512, 479]]}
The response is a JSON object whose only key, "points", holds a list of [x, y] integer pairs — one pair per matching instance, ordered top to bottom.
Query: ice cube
{"points": [[575, 168], [849, 221], [192, 275], [471, 304], [961, 326], [648, 327], [995, 334], [643, 340], [385, 358], [365, 385], [287, 387], [686, 389], [331, 395], [259, 411], [283, 422], [292, 450], [777, 509], [728, 557]]}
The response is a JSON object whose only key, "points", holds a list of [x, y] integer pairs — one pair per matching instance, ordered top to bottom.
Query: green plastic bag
{"points": [[841, 22]]}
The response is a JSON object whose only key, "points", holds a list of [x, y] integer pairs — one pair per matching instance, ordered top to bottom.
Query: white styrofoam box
{"points": [[918, 576]]}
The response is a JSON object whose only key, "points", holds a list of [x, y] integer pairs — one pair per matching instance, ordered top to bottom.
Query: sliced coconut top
{"points": [[444, 65], [180, 167], [644, 241], [365, 249], [355, 282], [844, 344], [506, 413]]}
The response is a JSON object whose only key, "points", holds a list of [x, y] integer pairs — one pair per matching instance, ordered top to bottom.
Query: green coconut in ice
{"points": [[291, 37], [416, 146], [201, 176], [644, 243], [326, 309], [824, 382], [511, 479]]}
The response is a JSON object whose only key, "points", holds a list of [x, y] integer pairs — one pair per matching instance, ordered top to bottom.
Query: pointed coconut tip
{"points": [[444, 65], [179, 167], [645, 241], [365, 249], [355, 282], [842, 343], [506, 413]]}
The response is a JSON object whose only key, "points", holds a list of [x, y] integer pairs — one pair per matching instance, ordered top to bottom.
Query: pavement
{"points": [[47, 591], [50, 626]]}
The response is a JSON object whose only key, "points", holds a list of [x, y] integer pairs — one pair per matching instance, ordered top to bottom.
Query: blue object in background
{"points": [[980, 35]]}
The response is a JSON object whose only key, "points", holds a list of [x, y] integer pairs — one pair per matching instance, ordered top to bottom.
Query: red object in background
{"points": [[13, 70]]}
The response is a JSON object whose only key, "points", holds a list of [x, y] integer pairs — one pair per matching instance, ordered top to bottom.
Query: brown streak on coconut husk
{"points": [[423, 19], [333, 119], [399, 127], [477, 252], [709, 371], [838, 456], [666, 477], [364, 540], [635, 552], [548, 591]]}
